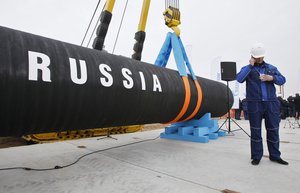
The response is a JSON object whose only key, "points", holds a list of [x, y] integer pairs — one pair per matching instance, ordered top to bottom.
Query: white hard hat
{"points": [[258, 50]]}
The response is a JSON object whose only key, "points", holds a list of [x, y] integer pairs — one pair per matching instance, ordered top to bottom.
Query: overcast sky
{"points": [[211, 30]]}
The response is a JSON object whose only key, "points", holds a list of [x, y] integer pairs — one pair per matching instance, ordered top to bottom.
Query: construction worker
{"points": [[262, 103]]}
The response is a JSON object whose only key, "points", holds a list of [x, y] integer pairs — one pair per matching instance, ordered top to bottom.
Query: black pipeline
{"points": [[51, 86]]}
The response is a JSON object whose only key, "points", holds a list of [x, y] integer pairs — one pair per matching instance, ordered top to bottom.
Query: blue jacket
{"points": [[257, 90]]}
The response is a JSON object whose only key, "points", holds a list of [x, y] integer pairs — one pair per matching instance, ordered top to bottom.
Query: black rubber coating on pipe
{"points": [[38, 106]]}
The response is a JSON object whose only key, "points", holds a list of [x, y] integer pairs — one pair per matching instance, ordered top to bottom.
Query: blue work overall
{"points": [[262, 103]]}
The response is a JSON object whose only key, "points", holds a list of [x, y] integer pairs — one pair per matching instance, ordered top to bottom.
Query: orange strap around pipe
{"points": [[186, 100], [199, 101]]}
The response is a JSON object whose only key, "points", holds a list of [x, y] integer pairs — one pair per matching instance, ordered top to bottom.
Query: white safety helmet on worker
{"points": [[258, 50]]}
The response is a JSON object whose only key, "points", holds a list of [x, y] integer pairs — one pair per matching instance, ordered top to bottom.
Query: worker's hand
{"points": [[252, 61], [265, 77]]}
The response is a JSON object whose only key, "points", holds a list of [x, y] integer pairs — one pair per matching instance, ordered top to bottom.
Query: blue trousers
{"points": [[270, 111]]}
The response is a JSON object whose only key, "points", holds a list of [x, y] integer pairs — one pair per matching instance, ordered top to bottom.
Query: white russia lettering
{"points": [[39, 61], [35, 65], [104, 69], [74, 74]]}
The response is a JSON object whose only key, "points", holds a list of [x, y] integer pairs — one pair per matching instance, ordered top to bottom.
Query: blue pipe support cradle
{"points": [[201, 130]]}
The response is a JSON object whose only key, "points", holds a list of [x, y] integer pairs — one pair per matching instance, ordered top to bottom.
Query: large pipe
{"points": [[50, 86]]}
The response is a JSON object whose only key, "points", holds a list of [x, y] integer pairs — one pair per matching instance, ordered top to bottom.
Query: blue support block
{"points": [[171, 129], [185, 130], [201, 130], [213, 136]]}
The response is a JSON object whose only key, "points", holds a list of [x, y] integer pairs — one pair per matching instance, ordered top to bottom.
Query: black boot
{"points": [[280, 161], [255, 162]]}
